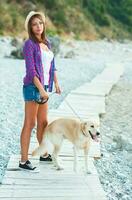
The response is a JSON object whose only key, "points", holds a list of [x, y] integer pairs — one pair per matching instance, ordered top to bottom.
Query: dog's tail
{"points": [[40, 150]]}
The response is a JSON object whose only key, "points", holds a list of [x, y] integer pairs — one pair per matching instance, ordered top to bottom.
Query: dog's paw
{"points": [[34, 153], [54, 164], [59, 168], [75, 170], [88, 172]]}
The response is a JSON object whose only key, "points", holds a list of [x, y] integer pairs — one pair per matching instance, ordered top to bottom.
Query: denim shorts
{"points": [[31, 92]]}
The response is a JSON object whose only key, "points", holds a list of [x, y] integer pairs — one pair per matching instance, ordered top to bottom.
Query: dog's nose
{"points": [[98, 133]]}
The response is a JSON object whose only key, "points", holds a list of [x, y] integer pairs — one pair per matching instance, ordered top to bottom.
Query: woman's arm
{"points": [[55, 78], [37, 83], [57, 87]]}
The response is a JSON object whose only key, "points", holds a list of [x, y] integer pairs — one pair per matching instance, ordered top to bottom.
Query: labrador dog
{"points": [[77, 132]]}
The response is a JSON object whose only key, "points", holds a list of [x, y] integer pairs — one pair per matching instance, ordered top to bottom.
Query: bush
{"points": [[121, 10], [98, 11]]}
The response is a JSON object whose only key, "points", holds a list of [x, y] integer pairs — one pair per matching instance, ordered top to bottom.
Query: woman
{"points": [[40, 75]]}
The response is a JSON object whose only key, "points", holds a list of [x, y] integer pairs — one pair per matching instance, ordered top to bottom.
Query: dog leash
{"points": [[42, 101], [68, 105], [73, 110], [74, 113]]}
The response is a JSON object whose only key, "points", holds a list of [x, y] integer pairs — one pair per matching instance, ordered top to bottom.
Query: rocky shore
{"points": [[79, 61]]}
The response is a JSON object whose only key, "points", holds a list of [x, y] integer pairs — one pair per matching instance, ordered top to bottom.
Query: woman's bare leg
{"points": [[31, 109], [42, 121]]}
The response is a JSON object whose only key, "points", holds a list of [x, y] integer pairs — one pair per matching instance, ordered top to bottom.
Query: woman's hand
{"points": [[57, 87], [44, 94]]}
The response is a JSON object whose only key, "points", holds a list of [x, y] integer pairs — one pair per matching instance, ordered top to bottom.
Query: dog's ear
{"points": [[83, 126]]}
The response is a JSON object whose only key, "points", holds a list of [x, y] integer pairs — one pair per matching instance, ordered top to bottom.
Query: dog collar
{"points": [[87, 135], [91, 135]]}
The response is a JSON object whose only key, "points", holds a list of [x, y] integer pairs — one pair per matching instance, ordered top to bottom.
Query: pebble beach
{"points": [[77, 62]]}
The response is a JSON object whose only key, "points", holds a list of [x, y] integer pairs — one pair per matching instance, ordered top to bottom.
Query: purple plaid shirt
{"points": [[33, 62]]}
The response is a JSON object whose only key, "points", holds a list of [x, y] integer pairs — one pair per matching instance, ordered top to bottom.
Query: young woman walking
{"points": [[39, 78]]}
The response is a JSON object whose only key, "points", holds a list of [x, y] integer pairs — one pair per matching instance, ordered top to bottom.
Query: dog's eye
{"points": [[92, 126]]}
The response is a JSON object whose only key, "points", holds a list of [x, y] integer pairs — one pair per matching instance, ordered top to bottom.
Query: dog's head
{"points": [[90, 129]]}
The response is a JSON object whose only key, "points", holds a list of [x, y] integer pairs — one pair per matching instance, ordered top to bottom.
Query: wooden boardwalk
{"points": [[89, 102]]}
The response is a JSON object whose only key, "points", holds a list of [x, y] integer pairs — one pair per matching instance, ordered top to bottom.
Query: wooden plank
{"points": [[109, 75], [93, 89], [90, 104], [89, 109], [61, 113], [87, 118], [37, 182], [44, 186], [41, 193], [45, 198]]}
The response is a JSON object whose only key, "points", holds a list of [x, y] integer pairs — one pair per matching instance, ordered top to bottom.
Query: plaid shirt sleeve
{"points": [[29, 60], [54, 64]]}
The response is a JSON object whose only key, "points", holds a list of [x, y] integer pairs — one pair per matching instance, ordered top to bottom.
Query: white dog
{"points": [[79, 133]]}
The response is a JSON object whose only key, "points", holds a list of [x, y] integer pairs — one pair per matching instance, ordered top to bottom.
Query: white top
{"points": [[47, 56]]}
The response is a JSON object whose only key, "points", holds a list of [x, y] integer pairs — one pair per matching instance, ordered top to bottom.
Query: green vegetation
{"points": [[83, 19]]}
